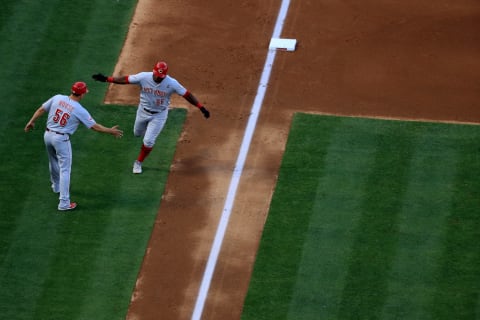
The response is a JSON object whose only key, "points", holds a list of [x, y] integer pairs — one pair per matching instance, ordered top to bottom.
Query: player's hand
{"points": [[100, 77], [205, 112], [29, 126], [116, 132]]}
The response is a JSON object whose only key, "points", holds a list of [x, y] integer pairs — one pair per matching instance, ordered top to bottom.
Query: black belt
{"points": [[150, 111], [50, 130]]}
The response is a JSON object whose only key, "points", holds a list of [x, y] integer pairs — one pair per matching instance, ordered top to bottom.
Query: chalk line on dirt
{"points": [[237, 171]]}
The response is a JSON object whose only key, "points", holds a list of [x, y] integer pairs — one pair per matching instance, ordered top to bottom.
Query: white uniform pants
{"points": [[149, 126], [59, 152]]}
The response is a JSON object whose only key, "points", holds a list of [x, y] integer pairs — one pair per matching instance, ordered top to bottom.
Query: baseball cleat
{"points": [[137, 167], [72, 206]]}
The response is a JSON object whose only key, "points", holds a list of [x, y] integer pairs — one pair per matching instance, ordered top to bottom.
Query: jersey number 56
{"points": [[61, 117]]}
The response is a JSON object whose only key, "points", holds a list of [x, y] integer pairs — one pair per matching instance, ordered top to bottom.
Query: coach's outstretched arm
{"points": [[114, 131]]}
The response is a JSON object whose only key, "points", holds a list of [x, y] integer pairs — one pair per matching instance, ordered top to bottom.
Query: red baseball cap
{"points": [[160, 69], [79, 88]]}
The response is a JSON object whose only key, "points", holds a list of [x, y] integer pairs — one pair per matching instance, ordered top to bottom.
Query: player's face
{"points": [[157, 79]]}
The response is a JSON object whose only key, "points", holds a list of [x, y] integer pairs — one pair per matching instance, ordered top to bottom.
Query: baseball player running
{"points": [[156, 88], [65, 113]]}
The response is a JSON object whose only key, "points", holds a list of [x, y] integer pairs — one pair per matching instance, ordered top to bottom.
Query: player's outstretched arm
{"points": [[103, 78], [194, 101], [31, 124], [114, 131]]}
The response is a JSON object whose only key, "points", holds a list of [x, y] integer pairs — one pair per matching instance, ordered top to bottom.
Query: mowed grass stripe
{"points": [[8, 7], [22, 32], [19, 35], [59, 50], [421, 226], [331, 229], [377, 231], [19, 243], [457, 288]]}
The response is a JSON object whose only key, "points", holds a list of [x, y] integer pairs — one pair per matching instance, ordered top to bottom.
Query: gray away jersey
{"points": [[156, 96], [65, 114]]}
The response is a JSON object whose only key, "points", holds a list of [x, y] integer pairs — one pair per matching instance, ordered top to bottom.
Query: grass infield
{"points": [[372, 219]]}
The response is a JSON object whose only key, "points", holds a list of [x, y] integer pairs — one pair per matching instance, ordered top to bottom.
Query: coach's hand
{"points": [[100, 77], [205, 112]]}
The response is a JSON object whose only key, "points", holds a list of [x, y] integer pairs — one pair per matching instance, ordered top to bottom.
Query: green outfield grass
{"points": [[372, 219], [81, 264]]}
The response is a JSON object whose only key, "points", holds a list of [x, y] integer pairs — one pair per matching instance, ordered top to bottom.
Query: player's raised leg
{"points": [[154, 127]]}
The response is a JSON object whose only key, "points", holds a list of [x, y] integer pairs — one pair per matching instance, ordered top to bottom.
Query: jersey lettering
{"points": [[155, 92], [65, 105]]}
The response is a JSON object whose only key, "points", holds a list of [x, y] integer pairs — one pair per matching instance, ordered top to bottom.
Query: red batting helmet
{"points": [[160, 69], [79, 88]]}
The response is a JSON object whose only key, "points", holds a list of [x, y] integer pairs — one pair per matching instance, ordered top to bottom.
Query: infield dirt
{"points": [[389, 59]]}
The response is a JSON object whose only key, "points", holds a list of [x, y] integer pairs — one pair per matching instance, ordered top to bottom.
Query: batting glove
{"points": [[100, 77], [205, 112]]}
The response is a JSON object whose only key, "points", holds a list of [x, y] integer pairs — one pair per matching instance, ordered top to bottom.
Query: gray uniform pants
{"points": [[59, 152]]}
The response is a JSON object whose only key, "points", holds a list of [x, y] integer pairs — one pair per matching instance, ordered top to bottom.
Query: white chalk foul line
{"points": [[237, 172]]}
